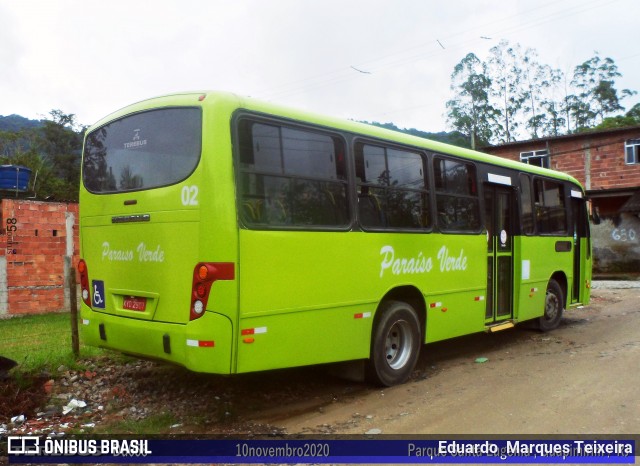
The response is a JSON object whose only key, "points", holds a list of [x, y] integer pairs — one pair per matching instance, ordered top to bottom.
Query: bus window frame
{"points": [[148, 110], [256, 117], [478, 166], [529, 179], [356, 184], [565, 199]]}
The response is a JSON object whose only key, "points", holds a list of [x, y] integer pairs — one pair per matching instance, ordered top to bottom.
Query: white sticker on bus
{"points": [[493, 178], [189, 195]]}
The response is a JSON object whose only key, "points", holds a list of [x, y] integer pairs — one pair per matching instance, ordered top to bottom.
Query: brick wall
{"points": [[595, 159], [39, 243]]}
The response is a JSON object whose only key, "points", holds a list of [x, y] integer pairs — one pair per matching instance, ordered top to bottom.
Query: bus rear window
{"points": [[143, 151]]}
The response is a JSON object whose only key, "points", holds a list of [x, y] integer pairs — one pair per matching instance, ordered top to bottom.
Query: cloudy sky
{"points": [[92, 57]]}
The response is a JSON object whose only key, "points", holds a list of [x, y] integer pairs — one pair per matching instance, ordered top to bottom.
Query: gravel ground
{"points": [[614, 284], [112, 396]]}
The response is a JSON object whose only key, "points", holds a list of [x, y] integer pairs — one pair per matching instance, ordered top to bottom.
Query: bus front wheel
{"points": [[553, 307], [395, 344]]}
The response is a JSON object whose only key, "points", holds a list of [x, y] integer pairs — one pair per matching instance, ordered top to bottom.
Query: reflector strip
{"points": [[533, 290], [479, 298], [438, 304], [362, 315], [85, 321], [253, 331], [201, 343]]}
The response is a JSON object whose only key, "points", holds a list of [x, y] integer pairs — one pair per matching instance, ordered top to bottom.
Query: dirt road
{"points": [[581, 378]]}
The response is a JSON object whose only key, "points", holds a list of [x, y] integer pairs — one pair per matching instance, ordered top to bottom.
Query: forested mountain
{"points": [[15, 123], [455, 138]]}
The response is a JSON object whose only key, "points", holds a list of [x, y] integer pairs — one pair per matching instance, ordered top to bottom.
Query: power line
{"points": [[380, 64]]}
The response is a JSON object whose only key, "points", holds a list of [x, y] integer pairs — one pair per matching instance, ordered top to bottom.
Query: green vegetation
{"points": [[514, 96], [455, 138], [50, 148], [40, 342], [154, 423]]}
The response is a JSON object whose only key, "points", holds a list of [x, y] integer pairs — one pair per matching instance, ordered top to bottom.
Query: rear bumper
{"points": [[202, 345]]}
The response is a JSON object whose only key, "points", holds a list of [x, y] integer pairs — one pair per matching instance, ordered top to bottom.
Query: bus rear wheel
{"points": [[553, 307], [395, 344]]}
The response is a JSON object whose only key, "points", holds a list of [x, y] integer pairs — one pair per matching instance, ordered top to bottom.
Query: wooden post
{"points": [[73, 306]]}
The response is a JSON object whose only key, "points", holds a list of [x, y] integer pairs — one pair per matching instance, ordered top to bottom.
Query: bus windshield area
{"points": [[142, 151]]}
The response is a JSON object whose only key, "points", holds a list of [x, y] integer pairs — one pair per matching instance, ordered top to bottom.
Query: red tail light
{"points": [[204, 275], [84, 282]]}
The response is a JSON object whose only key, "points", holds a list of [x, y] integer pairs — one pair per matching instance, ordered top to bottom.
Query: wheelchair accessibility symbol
{"points": [[98, 293]]}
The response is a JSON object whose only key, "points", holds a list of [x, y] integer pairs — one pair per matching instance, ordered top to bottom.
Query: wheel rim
{"points": [[552, 306], [398, 344]]}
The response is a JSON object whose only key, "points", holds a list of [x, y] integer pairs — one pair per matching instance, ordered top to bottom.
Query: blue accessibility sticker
{"points": [[98, 293]]}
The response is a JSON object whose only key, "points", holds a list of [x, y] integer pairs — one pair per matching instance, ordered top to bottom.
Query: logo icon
{"points": [[136, 140], [98, 294], [24, 445]]}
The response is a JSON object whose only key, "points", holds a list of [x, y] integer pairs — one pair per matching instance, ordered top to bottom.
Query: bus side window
{"points": [[291, 177], [392, 189], [457, 201], [526, 209], [551, 212]]}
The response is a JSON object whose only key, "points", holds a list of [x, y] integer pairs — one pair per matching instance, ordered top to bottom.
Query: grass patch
{"points": [[40, 342], [156, 423]]}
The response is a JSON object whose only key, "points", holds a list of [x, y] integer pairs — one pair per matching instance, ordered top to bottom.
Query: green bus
{"points": [[229, 235]]}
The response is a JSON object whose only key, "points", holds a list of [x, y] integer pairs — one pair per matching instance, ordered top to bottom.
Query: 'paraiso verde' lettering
{"points": [[420, 263]]}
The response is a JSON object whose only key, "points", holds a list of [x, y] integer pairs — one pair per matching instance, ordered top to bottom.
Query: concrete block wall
{"points": [[38, 244]]}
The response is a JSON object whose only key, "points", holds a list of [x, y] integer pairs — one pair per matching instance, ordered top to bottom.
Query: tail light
{"points": [[204, 274], [84, 282]]}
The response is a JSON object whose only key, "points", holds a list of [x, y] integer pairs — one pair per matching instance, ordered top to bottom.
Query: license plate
{"points": [[133, 303]]}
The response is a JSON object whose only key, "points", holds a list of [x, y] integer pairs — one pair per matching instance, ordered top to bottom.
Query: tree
{"points": [[504, 67], [539, 80], [596, 96], [495, 100], [470, 111], [634, 112], [631, 118], [60, 143], [52, 152]]}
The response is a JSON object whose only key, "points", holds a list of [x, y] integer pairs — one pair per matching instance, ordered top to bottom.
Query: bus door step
{"points": [[504, 325]]}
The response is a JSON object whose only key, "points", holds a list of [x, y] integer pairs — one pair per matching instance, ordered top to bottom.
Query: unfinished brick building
{"points": [[607, 163], [38, 245]]}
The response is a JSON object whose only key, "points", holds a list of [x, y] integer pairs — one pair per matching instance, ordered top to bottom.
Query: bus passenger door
{"points": [[499, 210], [580, 231]]}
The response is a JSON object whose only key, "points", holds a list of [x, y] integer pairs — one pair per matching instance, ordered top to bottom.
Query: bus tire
{"points": [[553, 307], [395, 344]]}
